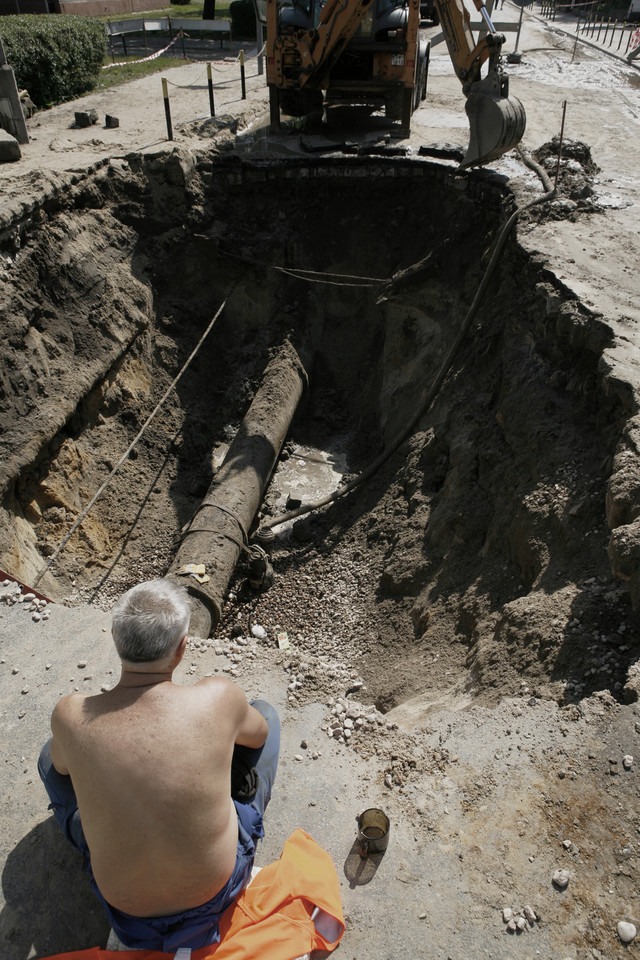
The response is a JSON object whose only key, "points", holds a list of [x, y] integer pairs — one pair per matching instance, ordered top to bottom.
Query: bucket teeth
{"points": [[497, 125]]}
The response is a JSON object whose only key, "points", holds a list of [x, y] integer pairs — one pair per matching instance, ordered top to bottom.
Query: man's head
{"points": [[149, 621]]}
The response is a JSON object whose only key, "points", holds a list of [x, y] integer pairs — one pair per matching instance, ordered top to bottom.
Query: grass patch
{"points": [[125, 70]]}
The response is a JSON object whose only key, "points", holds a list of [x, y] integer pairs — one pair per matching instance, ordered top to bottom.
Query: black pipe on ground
{"points": [[220, 527]]}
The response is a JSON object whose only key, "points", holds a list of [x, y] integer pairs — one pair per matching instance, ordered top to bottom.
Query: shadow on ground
{"points": [[49, 904]]}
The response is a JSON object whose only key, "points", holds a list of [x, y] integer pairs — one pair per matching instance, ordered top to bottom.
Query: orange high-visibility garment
{"points": [[273, 918]]}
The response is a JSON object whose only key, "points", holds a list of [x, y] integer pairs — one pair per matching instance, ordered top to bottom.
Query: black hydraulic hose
{"points": [[366, 474]]}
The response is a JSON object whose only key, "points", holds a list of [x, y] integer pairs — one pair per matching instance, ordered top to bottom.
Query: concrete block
{"points": [[85, 118], [9, 147]]}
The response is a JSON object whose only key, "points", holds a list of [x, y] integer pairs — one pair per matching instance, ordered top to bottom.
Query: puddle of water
{"points": [[308, 475]]}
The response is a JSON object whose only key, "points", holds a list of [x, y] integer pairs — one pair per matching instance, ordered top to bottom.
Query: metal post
{"points": [[519, 26], [622, 26], [599, 31], [613, 32], [144, 34], [260, 39], [604, 39], [124, 43], [575, 45], [184, 54], [242, 79], [212, 106], [167, 109], [564, 112]]}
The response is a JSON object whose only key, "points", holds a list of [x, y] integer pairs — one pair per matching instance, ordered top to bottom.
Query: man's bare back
{"points": [[150, 762]]}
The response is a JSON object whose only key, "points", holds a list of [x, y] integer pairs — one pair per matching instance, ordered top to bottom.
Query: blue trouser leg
{"points": [[265, 758], [63, 800]]}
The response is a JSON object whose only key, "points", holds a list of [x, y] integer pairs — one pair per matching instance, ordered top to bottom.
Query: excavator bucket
{"points": [[497, 124]]}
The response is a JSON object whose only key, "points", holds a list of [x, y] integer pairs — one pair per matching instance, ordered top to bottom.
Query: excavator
{"points": [[320, 52]]}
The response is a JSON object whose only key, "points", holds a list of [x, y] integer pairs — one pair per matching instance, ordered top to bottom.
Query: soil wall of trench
{"points": [[486, 536]]}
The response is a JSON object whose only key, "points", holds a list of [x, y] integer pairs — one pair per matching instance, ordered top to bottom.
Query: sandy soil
{"points": [[496, 767]]}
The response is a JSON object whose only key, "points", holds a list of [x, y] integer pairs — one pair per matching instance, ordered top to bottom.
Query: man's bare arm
{"points": [[253, 729], [57, 755]]}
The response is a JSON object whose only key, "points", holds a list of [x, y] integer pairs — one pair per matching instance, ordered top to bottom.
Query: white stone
{"points": [[28, 597], [36, 617], [258, 632], [348, 724], [299, 757], [627, 761], [561, 878], [507, 914], [530, 914], [521, 923], [511, 926], [626, 931]]}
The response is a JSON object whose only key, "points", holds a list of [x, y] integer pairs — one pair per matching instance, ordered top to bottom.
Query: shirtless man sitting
{"points": [[140, 778]]}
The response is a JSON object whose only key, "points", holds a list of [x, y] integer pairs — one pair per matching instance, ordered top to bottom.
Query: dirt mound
{"points": [[576, 172]]}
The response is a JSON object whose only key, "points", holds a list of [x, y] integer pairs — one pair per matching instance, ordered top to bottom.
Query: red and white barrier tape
{"points": [[152, 56]]}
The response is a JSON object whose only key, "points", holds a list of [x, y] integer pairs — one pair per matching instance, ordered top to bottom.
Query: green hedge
{"points": [[54, 57]]}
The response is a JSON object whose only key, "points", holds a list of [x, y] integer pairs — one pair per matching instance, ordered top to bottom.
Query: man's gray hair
{"points": [[149, 621]]}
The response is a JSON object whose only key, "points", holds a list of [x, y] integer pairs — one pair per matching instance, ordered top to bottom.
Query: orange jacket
{"points": [[290, 908]]}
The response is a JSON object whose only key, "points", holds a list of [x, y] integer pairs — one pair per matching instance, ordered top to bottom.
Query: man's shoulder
{"points": [[220, 688], [67, 710]]}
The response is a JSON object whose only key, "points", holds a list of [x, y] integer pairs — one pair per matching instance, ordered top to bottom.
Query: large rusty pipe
{"points": [[221, 524]]}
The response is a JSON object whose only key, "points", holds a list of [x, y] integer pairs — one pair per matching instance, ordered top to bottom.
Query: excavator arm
{"points": [[320, 48], [497, 121]]}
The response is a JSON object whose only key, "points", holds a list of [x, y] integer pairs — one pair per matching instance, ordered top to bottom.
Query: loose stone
{"points": [[37, 617], [258, 632], [82, 664], [25, 690], [299, 756], [627, 761], [561, 878], [507, 914], [530, 914], [521, 923], [511, 926], [626, 931]]}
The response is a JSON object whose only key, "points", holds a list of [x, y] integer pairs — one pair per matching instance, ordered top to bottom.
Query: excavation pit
{"points": [[473, 565]]}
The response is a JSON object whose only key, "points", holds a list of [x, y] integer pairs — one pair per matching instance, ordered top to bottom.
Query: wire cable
{"points": [[78, 521]]}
